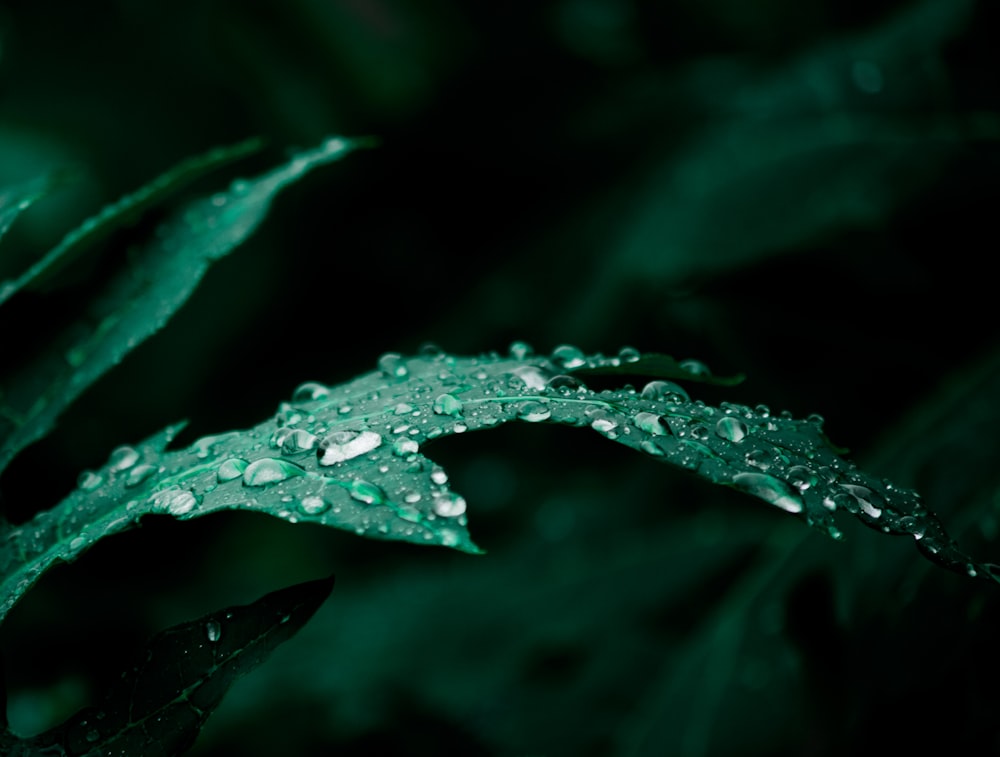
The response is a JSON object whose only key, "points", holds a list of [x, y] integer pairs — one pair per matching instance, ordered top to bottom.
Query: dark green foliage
{"points": [[797, 192], [159, 705]]}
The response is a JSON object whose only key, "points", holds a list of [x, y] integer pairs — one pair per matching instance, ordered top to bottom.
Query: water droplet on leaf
{"points": [[567, 356], [393, 366], [447, 404], [533, 412], [731, 429], [346, 445], [122, 458], [230, 469], [269, 470], [770, 489], [366, 492], [175, 501], [213, 630]]}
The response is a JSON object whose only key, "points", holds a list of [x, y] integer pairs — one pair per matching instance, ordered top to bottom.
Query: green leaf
{"points": [[123, 212], [139, 300], [629, 362], [351, 457], [159, 705]]}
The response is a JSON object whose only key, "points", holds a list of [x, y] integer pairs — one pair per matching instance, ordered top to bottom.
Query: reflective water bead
{"points": [[520, 350], [629, 355], [568, 357], [393, 365], [695, 368], [664, 390], [310, 391], [448, 404], [533, 412], [651, 423], [731, 429], [298, 441], [346, 445], [405, 447], [122, 458], [230, 469], [269, 470], [138, 474], [438, 476], [802, 477], [88, 480], [769, 489], [366, 492], [175, 501], [313, 505], [448, 505], [213, 630]]}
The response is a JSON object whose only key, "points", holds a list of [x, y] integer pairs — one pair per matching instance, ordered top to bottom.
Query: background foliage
{"points": [[802, 192]]}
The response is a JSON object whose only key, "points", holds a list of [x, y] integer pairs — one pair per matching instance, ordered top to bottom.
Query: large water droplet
{"points": [[567, 357], [393, 366], [531, 376], [565, 383], [664, 390], [310, 391], [448, 404], [533, 412], [651, 423], [731, 429], [345, 445], [122, 458], [230, 469], [270, 470], [438, 476], [770, 489], [366, 492], [175, 501], [448, 505]]}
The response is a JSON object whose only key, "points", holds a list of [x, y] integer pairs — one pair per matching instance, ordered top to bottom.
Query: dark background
{"points": [[805, 192]]}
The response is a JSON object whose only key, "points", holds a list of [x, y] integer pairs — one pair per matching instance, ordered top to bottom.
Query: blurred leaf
{"points": [[123, 212], [139, 300], [655, 365], [349, 457], [161, 703]]}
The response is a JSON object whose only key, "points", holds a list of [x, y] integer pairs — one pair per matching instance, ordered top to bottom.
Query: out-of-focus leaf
{"points": [[125, 211], [139, 300], [654, 365], [351, 457], [161, 703]]}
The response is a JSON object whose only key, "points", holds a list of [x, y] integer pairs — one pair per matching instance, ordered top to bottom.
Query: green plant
{"points": [[349, 456]]}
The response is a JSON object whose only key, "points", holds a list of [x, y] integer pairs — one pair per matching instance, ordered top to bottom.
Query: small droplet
{"points": [[520, 350], [629, 355], [567, 356], [393, 366], [695, 368], [664, 390], [310, 391], [448, 404], [533, 412], [731, 429], [346, 445], [122, 458], [230, 469], [270, 470], [438, 476], [770, 489], [366, 492], [175, 501], [313, 505], [448, 505], [213, 630], [92, 735]]}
